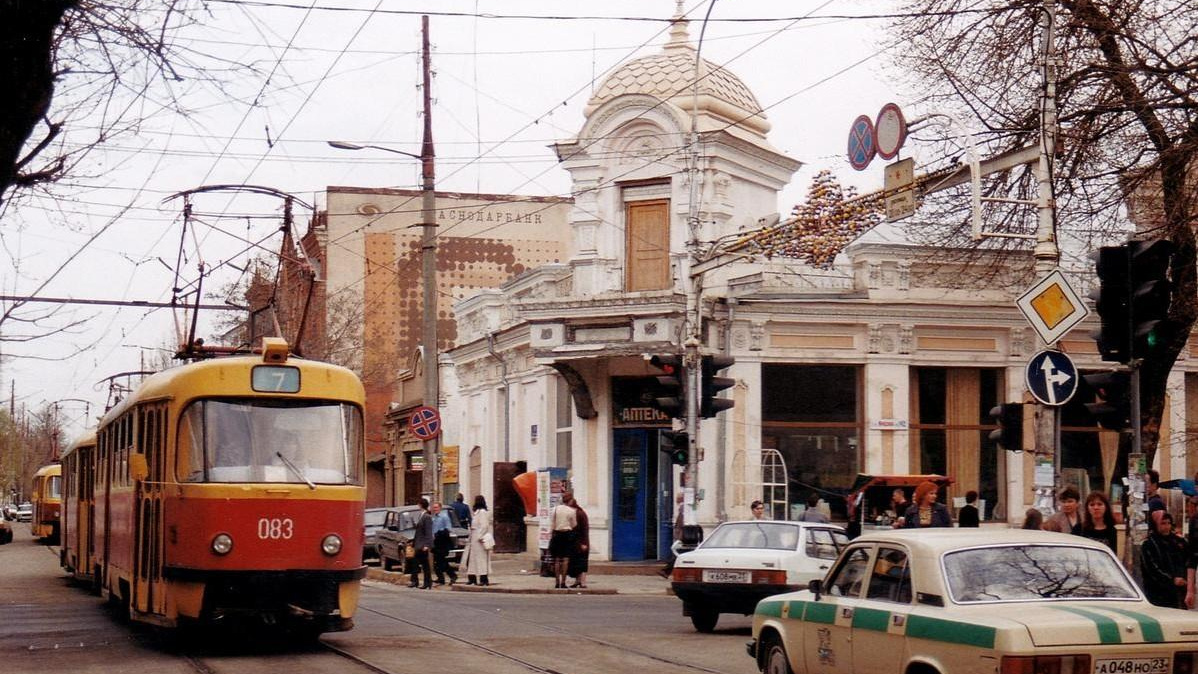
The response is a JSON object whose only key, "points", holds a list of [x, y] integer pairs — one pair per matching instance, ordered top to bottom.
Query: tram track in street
{"points": [[528, 664]]}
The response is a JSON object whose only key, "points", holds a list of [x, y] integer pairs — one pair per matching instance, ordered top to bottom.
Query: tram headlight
{"points": [[222, 544], [331, 544]]}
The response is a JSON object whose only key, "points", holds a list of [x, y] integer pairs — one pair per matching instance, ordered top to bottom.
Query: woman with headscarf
{"points": [[925, 511], [476, 558], [1163, 562]]}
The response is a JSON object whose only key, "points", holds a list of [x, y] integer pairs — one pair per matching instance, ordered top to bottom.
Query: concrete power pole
{"points": [[1047, 254], [431, 477]]}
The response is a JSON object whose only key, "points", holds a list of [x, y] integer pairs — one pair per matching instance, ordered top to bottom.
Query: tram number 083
{"points": [[275, 528]]}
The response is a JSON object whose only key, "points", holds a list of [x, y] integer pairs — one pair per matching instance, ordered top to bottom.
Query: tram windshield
{"points": [[266, 440]]}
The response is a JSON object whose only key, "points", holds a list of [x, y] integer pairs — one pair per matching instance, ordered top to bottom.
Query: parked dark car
{"points": [[373, 524], [399, 527], [5, 532]]}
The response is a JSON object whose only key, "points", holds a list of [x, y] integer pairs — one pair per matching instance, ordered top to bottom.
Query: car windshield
{"points": [[267, 440], [374, 518], [763, 535], [1028, 572]]}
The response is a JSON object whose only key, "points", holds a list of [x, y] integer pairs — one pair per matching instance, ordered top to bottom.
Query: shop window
{"points": [[810, 415], [564, 425], [950, 431]]}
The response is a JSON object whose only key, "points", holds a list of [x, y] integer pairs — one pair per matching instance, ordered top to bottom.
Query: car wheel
{"points": [[386, 561], [704, 619], [774, 659]]}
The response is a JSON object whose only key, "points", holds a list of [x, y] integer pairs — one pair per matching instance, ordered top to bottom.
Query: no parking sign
{"points": [[425, 423]]}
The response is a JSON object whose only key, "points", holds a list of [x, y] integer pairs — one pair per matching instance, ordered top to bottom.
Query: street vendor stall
{"points": [[869, 499]]}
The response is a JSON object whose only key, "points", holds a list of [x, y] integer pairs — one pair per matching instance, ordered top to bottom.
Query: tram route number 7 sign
{"points": [[425, 423]]}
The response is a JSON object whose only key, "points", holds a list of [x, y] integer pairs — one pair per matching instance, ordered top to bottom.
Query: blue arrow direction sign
{"points": [[1051, 377]]}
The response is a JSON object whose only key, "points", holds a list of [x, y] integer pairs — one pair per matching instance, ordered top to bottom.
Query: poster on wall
{"points": [[448, 459], [551, 483]]}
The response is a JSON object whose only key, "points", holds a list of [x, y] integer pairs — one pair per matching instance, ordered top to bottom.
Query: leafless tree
{"points": [[109, 62], [78, 74], [1127, 95]]}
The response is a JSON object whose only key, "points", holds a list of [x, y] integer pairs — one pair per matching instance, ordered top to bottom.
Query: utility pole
{"points": [[1047, 255], [428, 277], [693, 331]]}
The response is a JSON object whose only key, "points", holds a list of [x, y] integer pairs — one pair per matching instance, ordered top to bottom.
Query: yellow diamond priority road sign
{"points": [[1052, 307]]}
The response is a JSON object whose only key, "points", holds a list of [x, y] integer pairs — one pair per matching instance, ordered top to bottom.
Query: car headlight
{"points": [[222, 544], [331, 544]]}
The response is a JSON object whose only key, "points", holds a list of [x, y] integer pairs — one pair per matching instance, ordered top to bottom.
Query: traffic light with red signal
{"points": [[670, 396]]}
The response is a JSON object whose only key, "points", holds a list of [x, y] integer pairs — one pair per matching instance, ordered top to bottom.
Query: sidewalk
{"points": [[520, 574]]}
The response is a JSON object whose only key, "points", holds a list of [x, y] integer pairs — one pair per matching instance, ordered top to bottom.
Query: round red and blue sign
{"points": [[862, 147], [425, 423]]}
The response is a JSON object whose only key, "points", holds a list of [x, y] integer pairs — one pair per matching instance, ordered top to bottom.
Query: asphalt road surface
{"points": [[48, 624]]}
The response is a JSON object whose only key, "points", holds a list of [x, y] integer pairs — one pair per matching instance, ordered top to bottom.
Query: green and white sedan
{"points": [[951, 601]]}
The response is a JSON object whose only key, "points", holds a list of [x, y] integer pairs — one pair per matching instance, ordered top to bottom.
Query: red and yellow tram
{"points": [[229, 490], [47, 502], [78, 527]]}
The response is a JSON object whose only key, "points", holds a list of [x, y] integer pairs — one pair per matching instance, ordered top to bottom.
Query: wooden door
{"points": [[647, 235]]}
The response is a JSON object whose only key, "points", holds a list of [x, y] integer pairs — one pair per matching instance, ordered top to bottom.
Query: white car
{"points": [[741, 563], [973, 601]]}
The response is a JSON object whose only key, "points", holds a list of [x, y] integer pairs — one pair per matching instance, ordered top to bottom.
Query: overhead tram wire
{"points": [[583, 17], [700, 77], [295, 114], [527, 125]]}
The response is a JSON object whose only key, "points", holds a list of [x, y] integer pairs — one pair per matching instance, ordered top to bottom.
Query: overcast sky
{"points": [[505, 88]]}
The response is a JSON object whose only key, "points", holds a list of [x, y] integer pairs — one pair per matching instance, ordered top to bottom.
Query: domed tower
{"points": [[652, 123]]}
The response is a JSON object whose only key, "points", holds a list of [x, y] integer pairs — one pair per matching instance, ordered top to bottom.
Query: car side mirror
{"points": [[816, 586]]}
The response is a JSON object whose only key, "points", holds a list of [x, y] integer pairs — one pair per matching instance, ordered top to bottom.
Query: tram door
{"points": [[148, 593]]}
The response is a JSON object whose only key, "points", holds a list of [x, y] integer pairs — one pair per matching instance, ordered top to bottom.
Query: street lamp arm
{"points": [[342, 145]]}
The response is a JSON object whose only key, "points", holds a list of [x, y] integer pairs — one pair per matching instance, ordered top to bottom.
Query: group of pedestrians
{"points": [[1095, 520], [432, 542], [569, 543], [1167, 561]]}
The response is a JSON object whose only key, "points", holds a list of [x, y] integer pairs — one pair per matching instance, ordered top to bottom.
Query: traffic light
{"points": [[1150, 292], [1111, 300], [710, 385], [670, 398], [1112, 405], [1009, 434], [675, 444]]}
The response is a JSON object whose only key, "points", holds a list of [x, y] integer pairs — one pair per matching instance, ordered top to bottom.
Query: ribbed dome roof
{"points": [[670, 74]]}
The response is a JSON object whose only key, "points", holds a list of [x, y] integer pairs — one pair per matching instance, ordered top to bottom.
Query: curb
{"points": [[400, 579], [533, 590]]}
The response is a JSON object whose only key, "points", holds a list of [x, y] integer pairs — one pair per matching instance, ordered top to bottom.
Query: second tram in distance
{"points": [[228, 490], [47, 503]]}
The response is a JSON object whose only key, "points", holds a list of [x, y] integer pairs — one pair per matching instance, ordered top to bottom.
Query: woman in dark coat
{"points": [[925, 511], [579, 565], [1164, 566]]}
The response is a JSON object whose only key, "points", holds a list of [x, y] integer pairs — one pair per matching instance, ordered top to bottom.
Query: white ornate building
{"points": [[888, 363]]}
